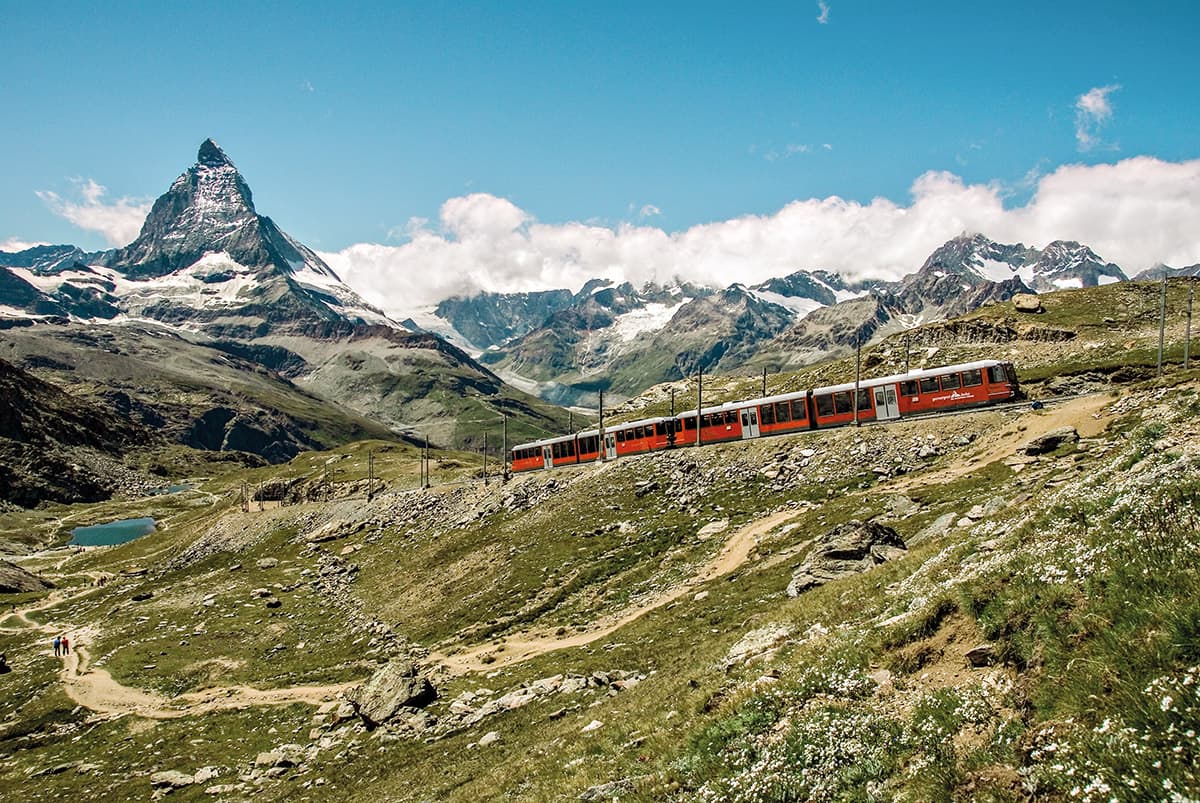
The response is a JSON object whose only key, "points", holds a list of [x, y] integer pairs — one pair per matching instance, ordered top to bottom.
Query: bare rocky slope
{"points": [[994, 605]]}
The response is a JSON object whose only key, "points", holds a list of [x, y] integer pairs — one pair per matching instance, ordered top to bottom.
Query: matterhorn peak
{"points": [[211, 155]]}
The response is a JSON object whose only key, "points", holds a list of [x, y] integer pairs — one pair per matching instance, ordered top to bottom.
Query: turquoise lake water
{"points": [[116, 532]]}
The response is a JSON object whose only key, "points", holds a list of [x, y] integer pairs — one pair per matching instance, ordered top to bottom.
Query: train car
{"points": [[879, 399]]}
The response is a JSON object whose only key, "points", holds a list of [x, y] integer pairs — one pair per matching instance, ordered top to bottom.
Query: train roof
{"points": [[915, 374], [641, 422]]}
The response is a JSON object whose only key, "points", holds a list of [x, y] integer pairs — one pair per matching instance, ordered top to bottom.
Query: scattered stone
{"points": [[1025, 302], [1051, 441], [645, 487], [938, 527], [712, 528], [847, 549], [268, 563], [260, 593], [703, 595], [142, 596], [273, 602], [756, 642], [983, 655], [395, 685], [558, 713], [595, 724], [491, 737], [172, 779], [604, 791]]}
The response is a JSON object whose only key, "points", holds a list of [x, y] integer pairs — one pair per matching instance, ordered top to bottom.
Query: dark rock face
{"points": [[490, 319], [846, 550], [15, 580], [394, 686]]}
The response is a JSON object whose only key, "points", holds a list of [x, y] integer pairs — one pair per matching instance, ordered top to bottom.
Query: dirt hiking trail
{"points": [[530, 644]]}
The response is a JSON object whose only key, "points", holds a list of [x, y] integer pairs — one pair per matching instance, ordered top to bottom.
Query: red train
{"points": [[883, 399]]}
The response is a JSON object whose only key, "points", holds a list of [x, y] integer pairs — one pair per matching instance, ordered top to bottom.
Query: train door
{"points": [[887, 406], [749, 422], [610, 445], [547, 457]]}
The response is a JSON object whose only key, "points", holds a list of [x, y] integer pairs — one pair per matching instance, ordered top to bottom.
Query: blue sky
{"points": [[349, 123]]}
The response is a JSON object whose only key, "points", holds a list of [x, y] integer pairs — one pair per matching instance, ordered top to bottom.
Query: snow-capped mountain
{"points": [[205, 260], [1061, 265], [209, 275]]}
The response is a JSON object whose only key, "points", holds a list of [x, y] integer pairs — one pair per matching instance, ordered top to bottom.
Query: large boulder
{"points": [[1024, 302], [1051, 440], [847, 549], [15, 580], [394, 686]]}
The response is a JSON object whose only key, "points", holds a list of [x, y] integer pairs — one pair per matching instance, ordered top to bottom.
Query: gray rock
{"points": [[1024, 302], [1051, 441], [848, 549], [268, 563], [983, 655], [395, 685], [491, 737], [172, 779]]}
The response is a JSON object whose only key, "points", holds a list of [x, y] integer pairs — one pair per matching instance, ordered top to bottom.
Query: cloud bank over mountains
{"points": [[1137, 212]]}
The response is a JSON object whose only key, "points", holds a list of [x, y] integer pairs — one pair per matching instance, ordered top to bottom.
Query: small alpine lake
{"points": [[115, 532]]}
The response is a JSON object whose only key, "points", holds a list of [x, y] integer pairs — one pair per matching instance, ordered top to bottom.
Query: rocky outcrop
{"points": [[1026, 302], [1050, 441], [848, 549], [15, 580], [394, 686]]}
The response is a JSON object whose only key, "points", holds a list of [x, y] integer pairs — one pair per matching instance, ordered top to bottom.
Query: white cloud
{"points": [[823, 7], [306, 86], [1092, 110], [649, 210], [1136, 212], [119, 221], [14, 244]]}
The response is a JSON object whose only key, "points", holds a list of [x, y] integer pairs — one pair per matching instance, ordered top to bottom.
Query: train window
{"points": [[996, 374], [972, 378], [950, 382], [929, 384], [908, 388], [864, 399], [843, 402], [824, 405], [798, 411], [783, 412], [766, 414], [731, 416], [689, 422], [643, 432], [620, 436], [588, 444], [570, 448], [556, 450]]}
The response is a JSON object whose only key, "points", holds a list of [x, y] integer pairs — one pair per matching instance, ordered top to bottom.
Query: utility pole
{"points": [[1162, 323], [1187, 338], [906, 368], [857, 374], [764, 393], [699, 401], [570, 421], [671, 424], [600, 427], [504, 437], [485, 457], [425, 462], [370, 473], [260, 497], [245, 498]]}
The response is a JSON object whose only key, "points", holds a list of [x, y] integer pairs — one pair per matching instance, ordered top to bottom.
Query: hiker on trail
{"points": [[66, 645], [57, 646]]}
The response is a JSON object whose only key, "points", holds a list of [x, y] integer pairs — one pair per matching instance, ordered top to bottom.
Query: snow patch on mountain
{"points": [[649, 318]]}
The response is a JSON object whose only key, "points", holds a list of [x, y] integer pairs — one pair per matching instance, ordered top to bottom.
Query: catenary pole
{"points": [[1162, 323], [1187, 337], [857, 374], [699, 401], [600, 426]]}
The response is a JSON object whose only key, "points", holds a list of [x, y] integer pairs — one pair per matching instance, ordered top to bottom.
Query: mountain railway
{"points": [[923, 392]]}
